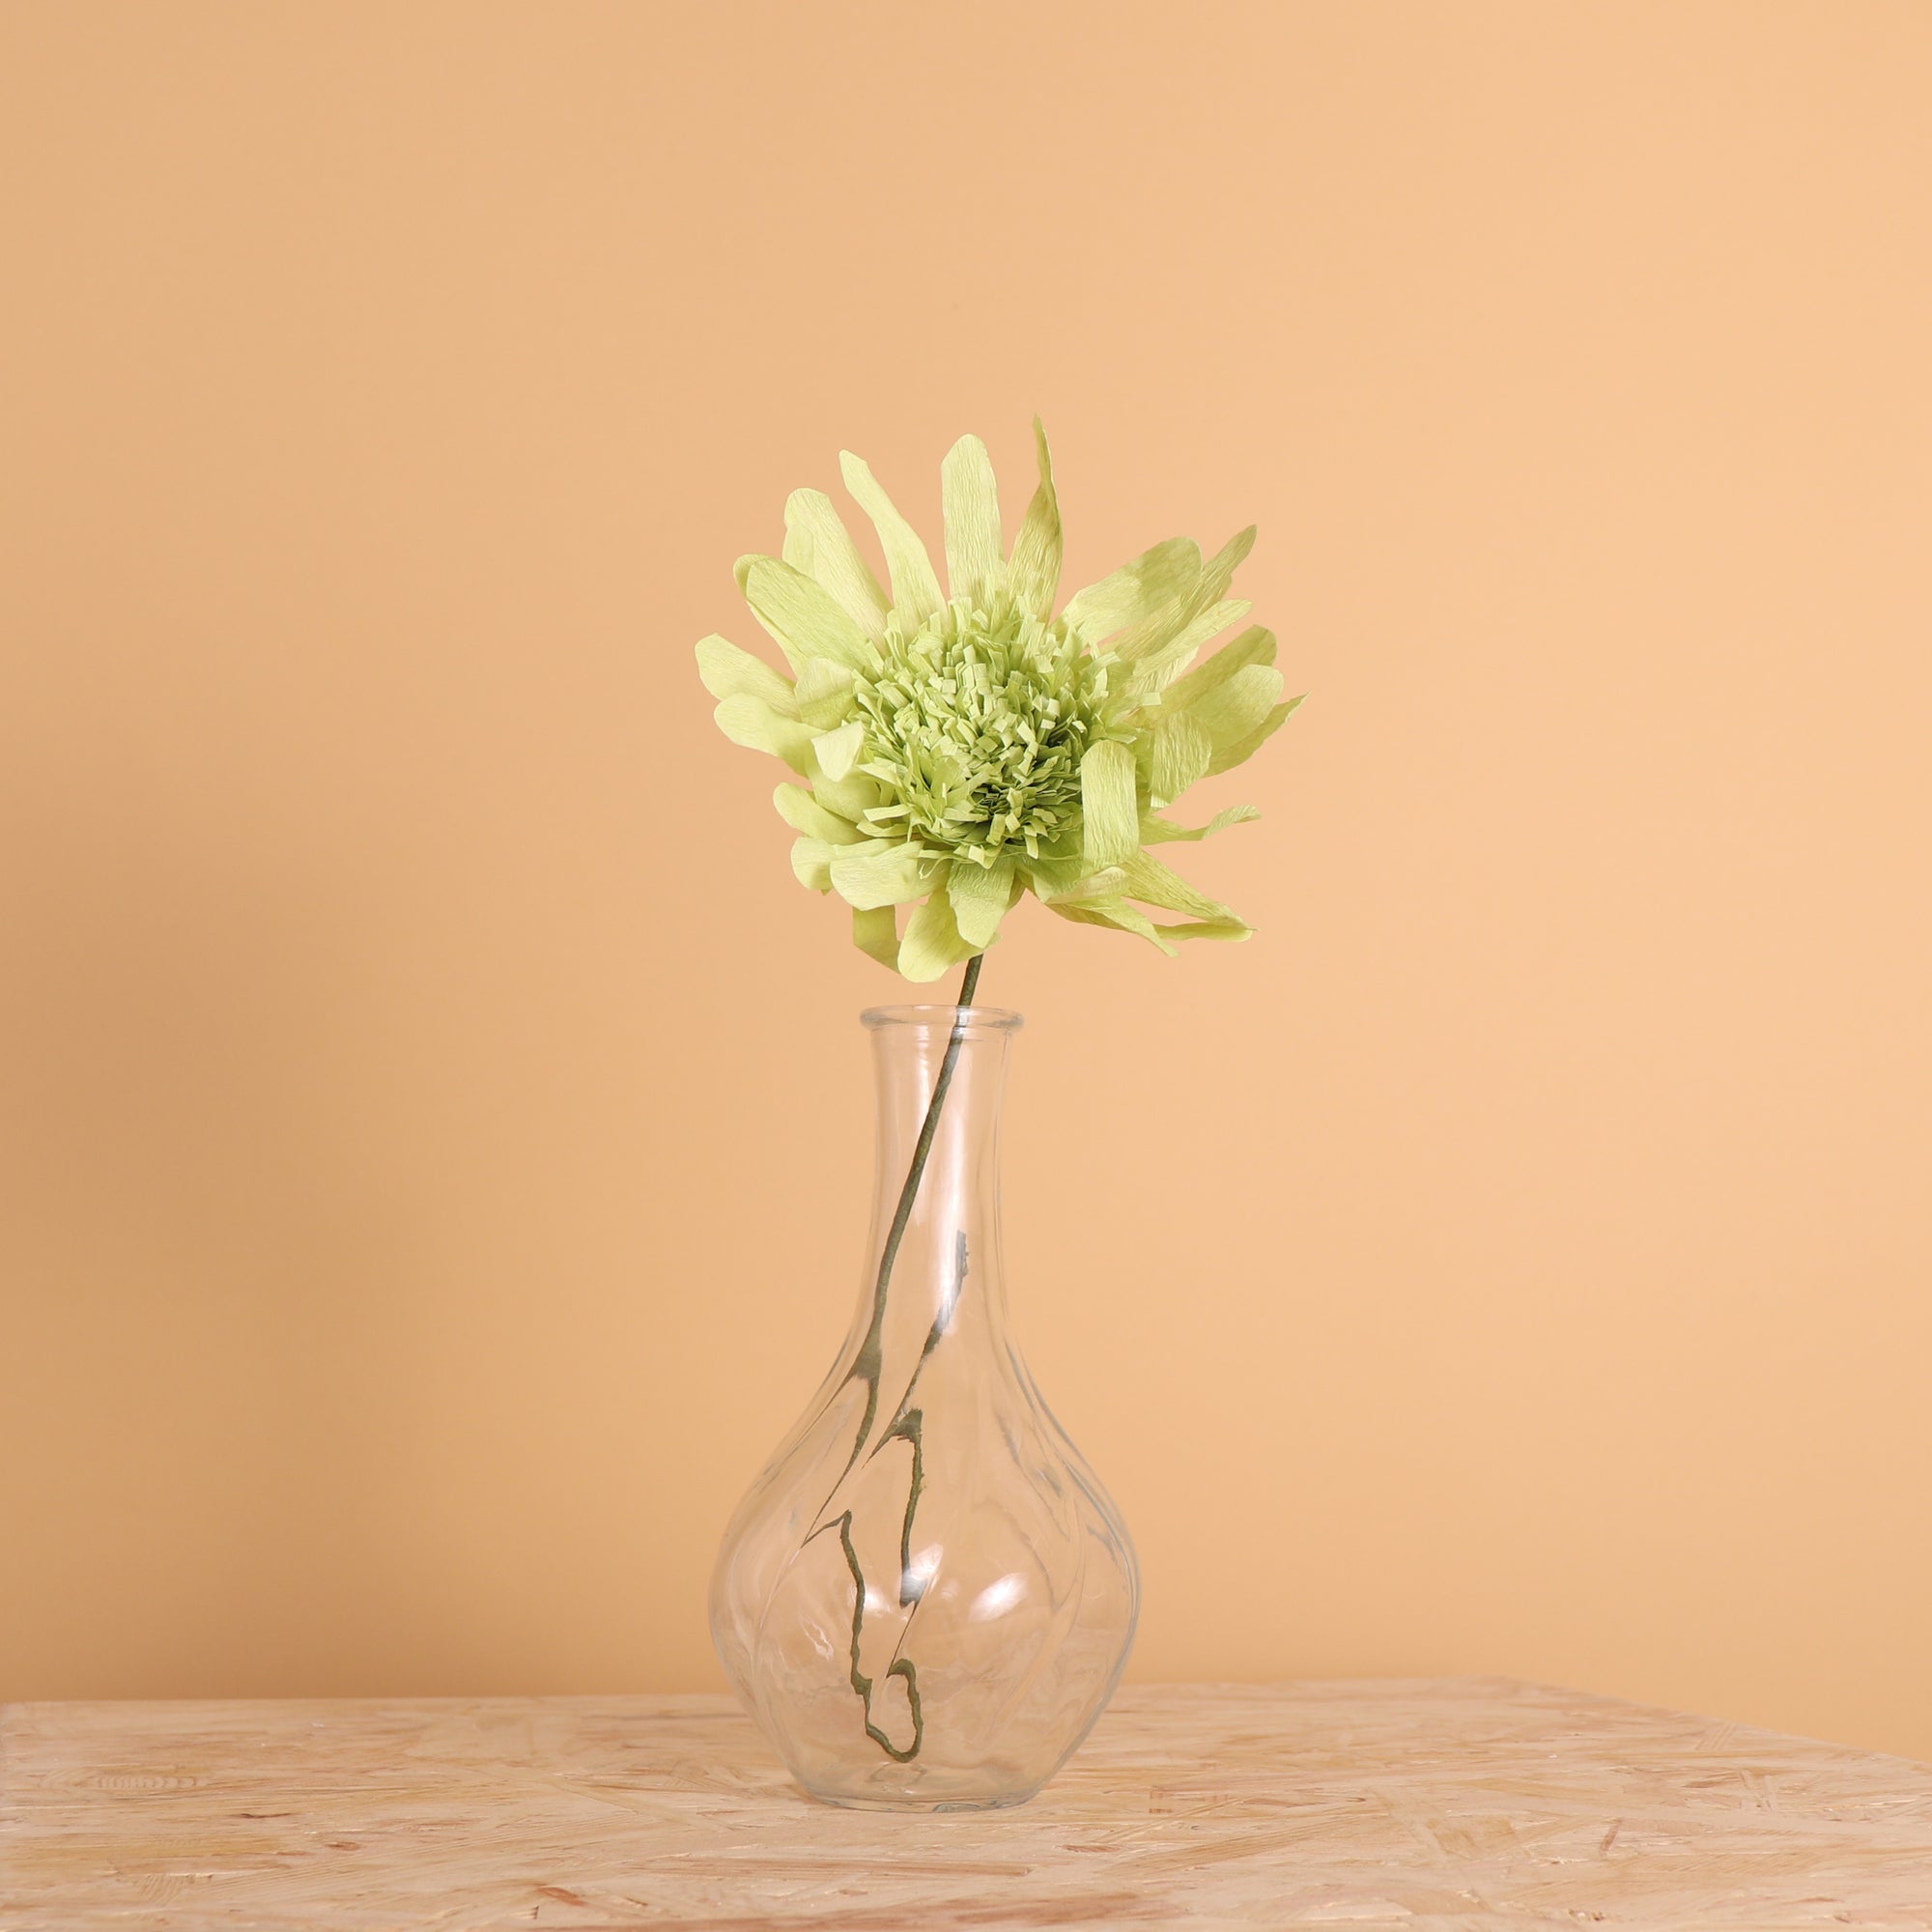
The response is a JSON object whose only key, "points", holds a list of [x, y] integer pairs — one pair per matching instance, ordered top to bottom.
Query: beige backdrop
{"points": [[436, 1130]]}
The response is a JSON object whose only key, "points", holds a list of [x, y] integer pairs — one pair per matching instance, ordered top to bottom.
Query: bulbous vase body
{"points": [[926, 1597]]}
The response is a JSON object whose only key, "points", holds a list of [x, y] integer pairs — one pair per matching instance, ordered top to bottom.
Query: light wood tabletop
{"points": [[1417, 1804]]}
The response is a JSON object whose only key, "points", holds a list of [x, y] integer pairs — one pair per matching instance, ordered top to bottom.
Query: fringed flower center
{"points": [[976, 726]]}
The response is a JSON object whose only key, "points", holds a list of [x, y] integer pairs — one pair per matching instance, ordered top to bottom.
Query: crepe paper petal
{"points": [[797, 547], [835, 561], [975, 569], [1219, 571], [1033, 573], [1166, 582], [915, 589], [1126, 595], [1168, 612], [802, 616], [1255, 646], [1161, 666], [730, 671], [822, 678], [824, 694], [1238, 705], [828, 710], [752, 723], [1181, 749], [838, 750], [1227, 756], [851, 797], [804, 813], [1109, 813], [1157, 831], [812, 863], [875, 873], [1066, 884], [1153, 884], [982, 897], [1115, 913], [1210, 929], [875, 932], [934, 944]]}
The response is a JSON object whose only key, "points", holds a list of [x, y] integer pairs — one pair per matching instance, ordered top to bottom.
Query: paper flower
{"points": [[966, 747]]}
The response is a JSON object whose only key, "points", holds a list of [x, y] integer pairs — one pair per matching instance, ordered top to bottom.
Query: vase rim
{"points": [[977, 1019]]}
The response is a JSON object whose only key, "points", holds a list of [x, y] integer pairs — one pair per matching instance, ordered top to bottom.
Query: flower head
{"points": [[964, 750]]}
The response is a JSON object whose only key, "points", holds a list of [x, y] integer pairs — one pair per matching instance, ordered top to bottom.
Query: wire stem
{"points": [[871, 1365]]}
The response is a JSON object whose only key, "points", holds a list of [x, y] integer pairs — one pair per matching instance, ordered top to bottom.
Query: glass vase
{"points": [[926, 1597]]}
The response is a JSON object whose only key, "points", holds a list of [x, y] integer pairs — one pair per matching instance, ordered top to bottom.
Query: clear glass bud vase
{"points": [[926, 1597]]}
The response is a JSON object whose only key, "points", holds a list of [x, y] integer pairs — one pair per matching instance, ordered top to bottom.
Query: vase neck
{"points": [[933, 1261]]}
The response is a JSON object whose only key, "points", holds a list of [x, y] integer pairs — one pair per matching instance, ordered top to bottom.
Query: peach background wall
{"points": [[435, 1132]]}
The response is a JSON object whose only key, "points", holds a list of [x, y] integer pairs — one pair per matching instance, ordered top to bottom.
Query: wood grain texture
{"points": [[1452, 1803]]}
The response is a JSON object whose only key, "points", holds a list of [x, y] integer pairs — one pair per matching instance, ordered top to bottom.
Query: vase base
{"points": [[846, 1803]]}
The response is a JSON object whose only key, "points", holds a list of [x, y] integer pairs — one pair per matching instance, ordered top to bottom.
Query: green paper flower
{"points": [[962, 750]]}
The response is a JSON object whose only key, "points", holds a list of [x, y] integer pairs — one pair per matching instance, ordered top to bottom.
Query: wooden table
{"points": [[1453, 1803]]}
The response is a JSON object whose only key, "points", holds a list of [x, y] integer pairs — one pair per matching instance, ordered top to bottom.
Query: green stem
{"points": [[919, 1153], [871, 1365], [867, 1368]]}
